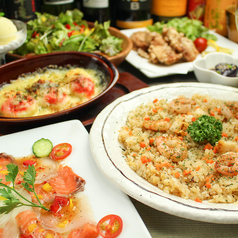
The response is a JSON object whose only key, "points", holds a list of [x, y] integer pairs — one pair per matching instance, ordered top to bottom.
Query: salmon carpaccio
{"points": [[60, 190]]}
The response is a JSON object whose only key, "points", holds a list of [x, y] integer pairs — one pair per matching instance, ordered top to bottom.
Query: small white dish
{"points": [[204, 74]]}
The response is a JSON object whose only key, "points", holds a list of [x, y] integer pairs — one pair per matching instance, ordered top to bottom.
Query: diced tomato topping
{"points": [[68, 26], [70, 33], [29, 162], [62, 201], [58, 203]]}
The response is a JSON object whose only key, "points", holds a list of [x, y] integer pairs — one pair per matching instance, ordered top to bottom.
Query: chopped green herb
{"points": [[206, 129]]}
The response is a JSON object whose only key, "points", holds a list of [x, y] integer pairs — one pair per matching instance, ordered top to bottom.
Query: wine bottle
{"points": [[56, 7], [22, 10], [96, 10], [164, 10], [132, 13]]}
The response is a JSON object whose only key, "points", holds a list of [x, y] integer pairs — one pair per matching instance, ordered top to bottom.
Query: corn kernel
{"points": [[4, 172], [47, 187], [71, 204], [63, 224], [31, 227], [49, 236]]}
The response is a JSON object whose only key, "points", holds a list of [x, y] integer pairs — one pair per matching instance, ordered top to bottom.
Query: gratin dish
{"points": [[13, 69], [204, 73]]}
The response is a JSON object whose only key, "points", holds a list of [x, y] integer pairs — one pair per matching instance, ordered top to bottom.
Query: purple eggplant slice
{"points": [[225, 69]]}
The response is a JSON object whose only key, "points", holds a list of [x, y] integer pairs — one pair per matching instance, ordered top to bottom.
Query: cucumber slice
{"points": [[42, 147]]}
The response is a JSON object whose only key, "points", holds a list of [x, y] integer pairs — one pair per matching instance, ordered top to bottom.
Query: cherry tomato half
{"points": [[201, 44], [61, 151], [110, 226]]}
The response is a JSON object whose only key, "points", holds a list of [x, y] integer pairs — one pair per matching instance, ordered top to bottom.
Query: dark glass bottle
{"points": [[56, 7], [22, 10], [96, 10], [132, 14]]}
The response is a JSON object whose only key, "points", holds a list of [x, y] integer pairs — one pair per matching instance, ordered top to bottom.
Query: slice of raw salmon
{"points": [[66, 181], [87, 231]]}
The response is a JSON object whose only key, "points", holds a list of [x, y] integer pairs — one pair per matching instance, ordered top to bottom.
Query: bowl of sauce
{"points": [[217, 68]]}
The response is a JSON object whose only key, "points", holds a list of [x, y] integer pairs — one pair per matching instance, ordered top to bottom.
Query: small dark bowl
{"points": [[13, 69]]}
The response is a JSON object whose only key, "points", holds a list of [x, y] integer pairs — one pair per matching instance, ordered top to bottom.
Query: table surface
{"points": [[160, 224]]}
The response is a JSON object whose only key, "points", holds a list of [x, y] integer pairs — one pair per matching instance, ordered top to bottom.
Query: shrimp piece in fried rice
{"points": [[181, 105], [158, 125], [172, 148], [227, 164]]}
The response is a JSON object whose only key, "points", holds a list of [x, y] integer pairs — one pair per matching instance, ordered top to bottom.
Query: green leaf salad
{"points": [[191, 28], [68, 32]]}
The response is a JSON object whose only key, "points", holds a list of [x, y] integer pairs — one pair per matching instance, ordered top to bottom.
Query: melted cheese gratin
{"points": [[50, 90]]}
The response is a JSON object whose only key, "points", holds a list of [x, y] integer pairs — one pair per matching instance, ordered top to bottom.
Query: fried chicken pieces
{"points": [[167, 48]]}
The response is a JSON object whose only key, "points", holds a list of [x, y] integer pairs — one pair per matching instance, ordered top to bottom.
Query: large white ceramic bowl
{"points": [[202, 69]]}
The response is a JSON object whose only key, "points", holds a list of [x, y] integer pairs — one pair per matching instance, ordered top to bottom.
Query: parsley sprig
{"points": [[206, 129], [9, 193]]}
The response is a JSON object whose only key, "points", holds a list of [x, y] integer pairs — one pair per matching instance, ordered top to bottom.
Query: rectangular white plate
{"points": [[153, 70], [105, 198]]}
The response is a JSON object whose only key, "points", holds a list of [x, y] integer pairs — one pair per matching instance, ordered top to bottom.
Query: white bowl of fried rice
{"points": [[203, 69], [194, 187]]}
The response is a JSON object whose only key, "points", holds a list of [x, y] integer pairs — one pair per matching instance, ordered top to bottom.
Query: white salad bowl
{"points": [[204, 73]]}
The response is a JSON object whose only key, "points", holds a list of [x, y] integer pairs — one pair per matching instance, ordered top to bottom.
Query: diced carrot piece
{"points": [[155, 100], [204, 100], [217, 109], [154, 110], [212, 113], [146, 118], [167, 119], [193, 119], [130, 133], [224, 134], [236, 138], [152, 140], [142, 144], [208, 146], [148, 148], [215, 150], [134, 154], [144, 159], [209, 161], [158, 166], [198, 168], [187, 172], [177, 174], [208, 185], [198, 200]]}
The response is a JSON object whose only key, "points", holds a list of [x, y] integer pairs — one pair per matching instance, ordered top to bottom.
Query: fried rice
{"points": [[195, 171]]}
